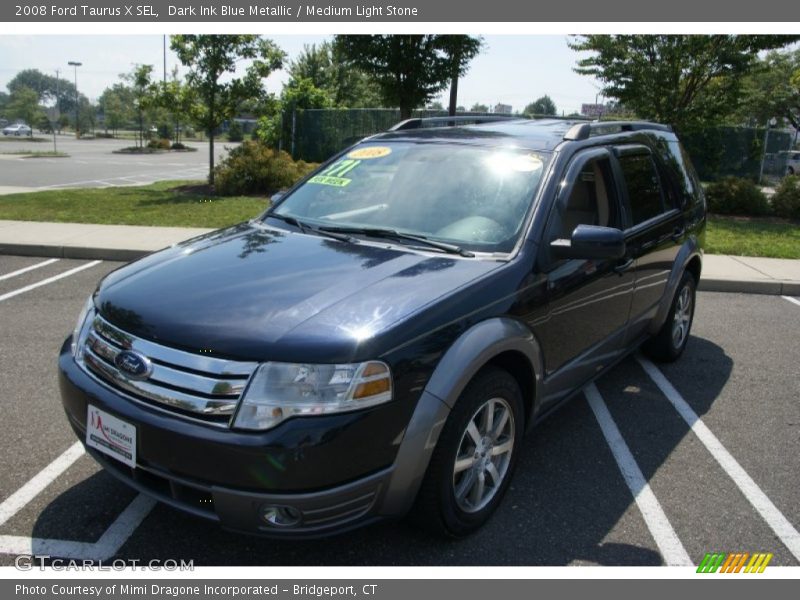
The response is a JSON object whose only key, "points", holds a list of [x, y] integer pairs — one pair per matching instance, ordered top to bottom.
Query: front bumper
{"points": [[334, 471]]}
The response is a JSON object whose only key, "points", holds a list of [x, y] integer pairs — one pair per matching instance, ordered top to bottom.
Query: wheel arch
{"points": [[689, 259], [502, 342]]}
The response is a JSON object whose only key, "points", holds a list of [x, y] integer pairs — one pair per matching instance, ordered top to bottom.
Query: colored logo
{"points": [[133, 365], [735, 562]]}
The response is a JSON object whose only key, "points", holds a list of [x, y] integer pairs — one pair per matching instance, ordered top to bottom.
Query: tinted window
{"points": [[644, 190]]}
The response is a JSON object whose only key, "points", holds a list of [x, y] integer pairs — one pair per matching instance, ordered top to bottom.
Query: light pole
{"points": [[76, 64], [771, 123]]}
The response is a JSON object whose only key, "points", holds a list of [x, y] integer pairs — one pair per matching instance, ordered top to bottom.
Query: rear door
{"points": [[654, 232]]}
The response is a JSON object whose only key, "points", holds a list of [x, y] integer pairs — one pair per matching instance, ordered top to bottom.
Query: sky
{"points": [[512, 69]]}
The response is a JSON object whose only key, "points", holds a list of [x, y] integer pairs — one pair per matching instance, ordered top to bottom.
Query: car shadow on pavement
{"points": [[568, 502]]}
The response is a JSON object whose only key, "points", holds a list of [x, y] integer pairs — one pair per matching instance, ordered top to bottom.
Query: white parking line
{"points": [[30, 268], [32, 286], [792, 300], [17, 501], [763, 505], [666, 539], [108, 544], [106, 547]]}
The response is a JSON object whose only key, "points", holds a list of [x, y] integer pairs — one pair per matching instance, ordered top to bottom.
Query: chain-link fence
{"points": [[315, 135], [739, 151]]}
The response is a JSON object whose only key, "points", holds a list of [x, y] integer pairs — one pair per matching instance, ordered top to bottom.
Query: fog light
{"points": [[280, 516]]}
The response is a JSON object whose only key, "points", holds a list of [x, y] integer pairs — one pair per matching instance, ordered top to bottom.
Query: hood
{"points": [[257, 293]]}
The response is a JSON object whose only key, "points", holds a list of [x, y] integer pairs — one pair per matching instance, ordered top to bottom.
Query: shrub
{"points": [[235, 132], [162, 144], [178, 146], [254, 168], [736, 196], [786, 200]]}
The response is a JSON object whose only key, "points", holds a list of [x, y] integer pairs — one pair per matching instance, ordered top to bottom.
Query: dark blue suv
{"points": [[377, 343]]}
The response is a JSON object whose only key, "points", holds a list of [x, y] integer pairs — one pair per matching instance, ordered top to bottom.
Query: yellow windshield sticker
{"points": [[370, 152], [340, 168], [327, 180]]}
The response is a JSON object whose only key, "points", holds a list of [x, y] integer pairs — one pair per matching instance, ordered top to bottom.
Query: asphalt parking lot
{"points": [[92, 163], [656, 464]]}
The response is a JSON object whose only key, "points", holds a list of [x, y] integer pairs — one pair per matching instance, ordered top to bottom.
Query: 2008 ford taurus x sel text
{"points": [[377, 343]]}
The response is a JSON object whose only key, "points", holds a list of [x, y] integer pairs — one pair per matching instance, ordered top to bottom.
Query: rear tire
{"points": [[670, 341], [473, 461]]}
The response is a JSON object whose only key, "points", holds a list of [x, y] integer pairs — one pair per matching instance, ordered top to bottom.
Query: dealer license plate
{"points": [[110, 435]]}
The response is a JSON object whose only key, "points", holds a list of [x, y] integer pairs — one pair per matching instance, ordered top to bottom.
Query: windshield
{"points": [[474, 197]]}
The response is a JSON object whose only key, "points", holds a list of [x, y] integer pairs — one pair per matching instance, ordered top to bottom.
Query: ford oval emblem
{"points": [[133, 365]]}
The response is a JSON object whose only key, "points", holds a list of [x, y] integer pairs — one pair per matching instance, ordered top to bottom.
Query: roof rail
{"points": [[420, 122], [583, 131]]}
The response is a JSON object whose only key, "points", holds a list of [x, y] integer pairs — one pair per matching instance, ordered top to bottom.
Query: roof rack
{"points": [[420, 122], [583, 131]]}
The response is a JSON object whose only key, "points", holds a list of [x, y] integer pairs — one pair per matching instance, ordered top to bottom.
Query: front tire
{"points": [[670, 341], [471, 467]]}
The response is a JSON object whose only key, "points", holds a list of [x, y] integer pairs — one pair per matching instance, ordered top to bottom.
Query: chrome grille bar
{"points": [[164, 354], [202, 386]]}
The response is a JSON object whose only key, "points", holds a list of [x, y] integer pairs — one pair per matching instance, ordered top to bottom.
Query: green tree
{"points": [[459, 50], [208, 58], [326, 67], [410, 70], [683, 80], [47, 87], [772, 89], [303, 94], [143, 95], [179, 99], [116, 102], [24, 105], [435, 105], [541, 106], [479, 108], [88, 115]]}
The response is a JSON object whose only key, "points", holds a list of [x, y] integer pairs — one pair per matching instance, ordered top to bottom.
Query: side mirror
{"points": [[277, 196], [591, 241]]}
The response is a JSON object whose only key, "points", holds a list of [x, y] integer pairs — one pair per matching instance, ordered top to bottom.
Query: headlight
{"points": [[79, 332], [278, 391]]}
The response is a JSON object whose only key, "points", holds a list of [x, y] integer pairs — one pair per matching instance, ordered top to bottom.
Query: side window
{"points": [[644, 188], [592, 201]]}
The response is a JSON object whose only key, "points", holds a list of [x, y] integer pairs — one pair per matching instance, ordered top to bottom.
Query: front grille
{"points": [[200, 387]]}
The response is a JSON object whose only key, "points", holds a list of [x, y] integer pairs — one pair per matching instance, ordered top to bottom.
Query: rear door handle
{"points": [[677, 233], [622, 267]]}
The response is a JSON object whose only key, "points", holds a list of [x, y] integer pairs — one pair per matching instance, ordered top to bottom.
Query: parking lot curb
{"points": [[75, 252], [750, 286]]}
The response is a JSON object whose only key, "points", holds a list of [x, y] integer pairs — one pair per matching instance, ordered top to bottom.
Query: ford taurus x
{"points": [[377, 342]]}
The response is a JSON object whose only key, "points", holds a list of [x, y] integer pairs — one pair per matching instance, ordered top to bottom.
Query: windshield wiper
{"points": [[305, 227], [399, 235]]}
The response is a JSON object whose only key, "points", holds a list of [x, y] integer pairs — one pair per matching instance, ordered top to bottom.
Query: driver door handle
{"points": [[677, 233], [622, 267]]}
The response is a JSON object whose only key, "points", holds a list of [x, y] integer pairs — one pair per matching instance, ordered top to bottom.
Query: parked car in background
{"points": [[17, 129], [792, 162], [377, 343]]}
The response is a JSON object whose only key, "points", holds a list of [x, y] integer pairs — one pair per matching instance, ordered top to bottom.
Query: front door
{"points": [[588, 299]]}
